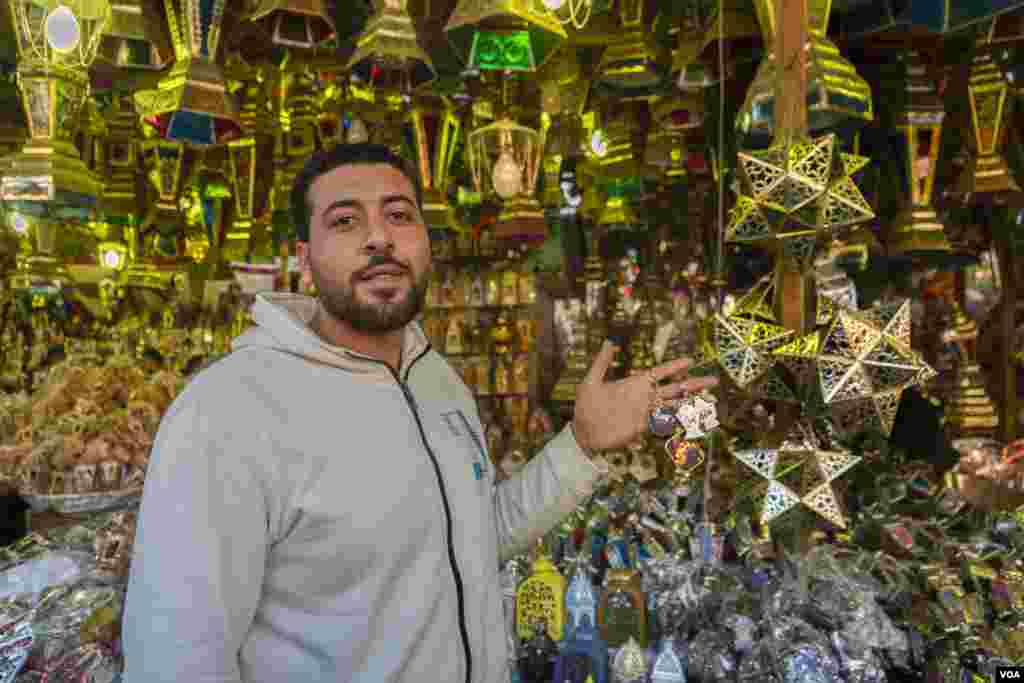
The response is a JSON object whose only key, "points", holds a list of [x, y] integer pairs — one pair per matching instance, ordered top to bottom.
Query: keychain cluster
{"points": [[684, 423]]}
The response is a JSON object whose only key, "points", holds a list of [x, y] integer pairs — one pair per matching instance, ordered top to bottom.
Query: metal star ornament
{"points": [[796, 194], [857, 365], [798, 472]]}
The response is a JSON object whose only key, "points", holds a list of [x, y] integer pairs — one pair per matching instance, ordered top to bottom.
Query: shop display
{"points": [[819, 203]]}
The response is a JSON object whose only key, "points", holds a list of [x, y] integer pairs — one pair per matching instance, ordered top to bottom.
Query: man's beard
{"points": [[341, 303]]}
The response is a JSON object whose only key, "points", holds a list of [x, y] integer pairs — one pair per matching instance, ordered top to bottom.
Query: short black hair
{"points": [[343, 155]]}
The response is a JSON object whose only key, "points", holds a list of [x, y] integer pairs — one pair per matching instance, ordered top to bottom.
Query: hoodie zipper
{"points": [[460, 592]]}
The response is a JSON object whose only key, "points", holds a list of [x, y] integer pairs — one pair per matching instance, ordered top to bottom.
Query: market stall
{"points": [[819, 202]]}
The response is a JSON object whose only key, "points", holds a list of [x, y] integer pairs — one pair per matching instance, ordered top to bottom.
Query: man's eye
{"points": [[401, 216], [342, 221]]}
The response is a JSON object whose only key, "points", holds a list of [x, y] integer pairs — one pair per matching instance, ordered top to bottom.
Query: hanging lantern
{"points": [[301, 24], [506, 35], [741, 35], [134, 41], [57, 44], [388, 53], [631, 65], [688, 70], [563, 89], [836, 93], [191, 103], [673, 119], [435, 133], [612, 153], [247, 158], [505, 160], [987, 178], [120, 195], [618, 213], [917, 231], [969, 410]]}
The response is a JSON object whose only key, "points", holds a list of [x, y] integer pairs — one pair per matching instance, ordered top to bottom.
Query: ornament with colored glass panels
{"points": [[797, 194], [858, 363], [799, 472]]}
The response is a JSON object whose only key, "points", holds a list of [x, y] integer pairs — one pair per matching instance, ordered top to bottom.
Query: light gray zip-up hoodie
{"points": [[311, 516]]}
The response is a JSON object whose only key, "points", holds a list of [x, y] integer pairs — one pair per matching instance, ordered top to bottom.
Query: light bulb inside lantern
{"points": [[554, 5], [62, 30], [599, 143], [508, 176], [19, 223], [110, 259]]}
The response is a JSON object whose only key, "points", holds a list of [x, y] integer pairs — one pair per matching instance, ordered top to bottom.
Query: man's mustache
{"points": [[377, 260]]}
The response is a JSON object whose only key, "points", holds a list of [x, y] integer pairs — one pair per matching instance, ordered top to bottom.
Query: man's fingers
{"points": [[599, 368], [666, 370], [689, 386]]}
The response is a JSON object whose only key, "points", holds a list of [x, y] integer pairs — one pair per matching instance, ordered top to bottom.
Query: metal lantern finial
{"points": [[57, 43], [388, 51], [191, 103]]}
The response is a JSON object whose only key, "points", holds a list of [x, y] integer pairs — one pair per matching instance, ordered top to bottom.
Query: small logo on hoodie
{"points": [[459, 427]]}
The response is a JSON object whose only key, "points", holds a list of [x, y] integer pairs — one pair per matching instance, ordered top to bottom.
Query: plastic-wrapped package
{"points": [[68, 617], [16, 641], [711, 657]]}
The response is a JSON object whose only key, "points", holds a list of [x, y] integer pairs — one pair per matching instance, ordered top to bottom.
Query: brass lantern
{"points": [[301, 24], [741, 34], [506, 35], [133, 40], [57, 43], [388, 52], [631, 64], [836, 93], [191, 103], [673, 118], [435, 132], [611, 150], [247, 157], [505, 161], [987, 179], [917, 230], [970, 411]]}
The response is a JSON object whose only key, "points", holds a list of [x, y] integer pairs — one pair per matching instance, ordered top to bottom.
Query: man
{"points": [[318, 505]]}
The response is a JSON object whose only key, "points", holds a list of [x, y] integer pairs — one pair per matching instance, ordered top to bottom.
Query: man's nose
{"points": [[380, 237]]}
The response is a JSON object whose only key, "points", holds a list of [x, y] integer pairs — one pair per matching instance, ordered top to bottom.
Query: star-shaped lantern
{"points": [[796, 194], [742, 344], [857, 364], [798, 472]]}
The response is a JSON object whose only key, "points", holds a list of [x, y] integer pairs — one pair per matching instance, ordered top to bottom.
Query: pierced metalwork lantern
{"points": [[302, 24], [516, 35], [134, 41], [57, 43], [388, 53], [631, 64], [836, 93], [191, 103], [435, 134], [505, 161], [165, 163], [987, 178], [917, 230]]}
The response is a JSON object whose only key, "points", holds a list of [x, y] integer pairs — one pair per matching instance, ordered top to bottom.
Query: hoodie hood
{"points": [[283, 324]]}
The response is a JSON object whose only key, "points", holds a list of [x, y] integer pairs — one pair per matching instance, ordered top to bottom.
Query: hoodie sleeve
{"points": [[543, 493], [201, 545]]}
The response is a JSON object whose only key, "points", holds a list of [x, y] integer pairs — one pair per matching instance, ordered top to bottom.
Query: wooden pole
{"points": [[794, 292]]}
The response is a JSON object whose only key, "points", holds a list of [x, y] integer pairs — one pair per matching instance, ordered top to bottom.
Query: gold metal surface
{"points": [[389, 43]]}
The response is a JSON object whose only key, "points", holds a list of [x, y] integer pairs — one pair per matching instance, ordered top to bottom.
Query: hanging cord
{"points": [[720, 242]]}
